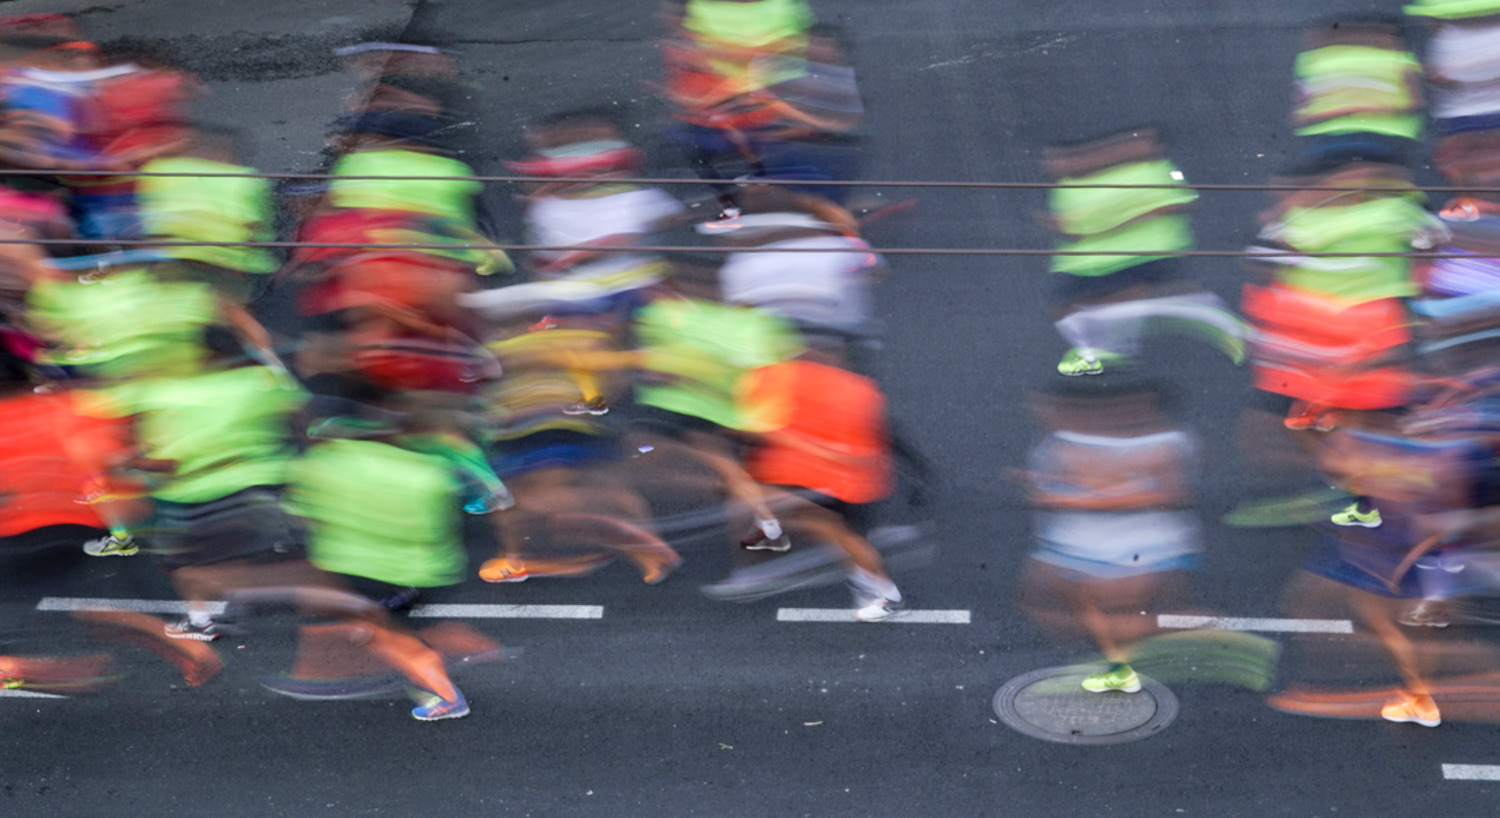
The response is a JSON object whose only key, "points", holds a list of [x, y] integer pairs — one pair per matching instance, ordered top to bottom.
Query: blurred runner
{"points": [[1104, 304], [818, 432], [1114, 520]]}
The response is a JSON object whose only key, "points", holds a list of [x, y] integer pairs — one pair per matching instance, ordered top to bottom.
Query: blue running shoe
{"points": [[436, 708]]}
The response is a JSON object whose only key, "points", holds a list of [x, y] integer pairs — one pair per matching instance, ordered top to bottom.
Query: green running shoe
{"points": [[1084, 362], [1353, 516], [1119, 677]]}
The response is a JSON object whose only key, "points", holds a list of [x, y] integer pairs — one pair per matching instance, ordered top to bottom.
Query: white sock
{"points": [[771, 527], [867, 584], [198, 615]]}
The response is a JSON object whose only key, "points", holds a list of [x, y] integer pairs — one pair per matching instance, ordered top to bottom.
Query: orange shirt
{"points": [[839, 414], [50, 456]]}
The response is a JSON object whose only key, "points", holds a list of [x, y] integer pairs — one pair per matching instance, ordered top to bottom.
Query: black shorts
{"points": [[1069, 289], [670, 424], [857, 516], [248, 524]]}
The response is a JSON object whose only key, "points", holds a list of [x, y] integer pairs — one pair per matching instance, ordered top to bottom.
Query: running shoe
{"points": [[1078, 362], [593, 406], [485, 504], [1352, 516], [760, 542], [111, 546], [503, 570], [401, 599], [881, 610], [1425, 614], [185, 629], [1119, 677], [8, 682], [436, 708], [1417, 709]]}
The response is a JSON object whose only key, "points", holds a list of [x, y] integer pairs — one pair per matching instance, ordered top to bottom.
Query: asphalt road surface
{"points": [[667, 703]]}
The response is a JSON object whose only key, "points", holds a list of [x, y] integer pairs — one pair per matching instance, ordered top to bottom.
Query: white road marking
{"points": [[159, 606], [508, 611], [847, 615], [1230, 623], [30, 694], [1471, 772]]}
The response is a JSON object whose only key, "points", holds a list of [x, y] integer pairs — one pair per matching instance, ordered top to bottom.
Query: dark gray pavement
{"points": [[671, 704]]}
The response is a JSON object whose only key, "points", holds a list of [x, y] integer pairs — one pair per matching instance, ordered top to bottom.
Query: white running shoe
{"points": [[880, 610]]}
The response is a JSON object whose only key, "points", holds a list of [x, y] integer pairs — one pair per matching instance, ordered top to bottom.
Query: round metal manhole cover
{"points": [[1051, 704]]}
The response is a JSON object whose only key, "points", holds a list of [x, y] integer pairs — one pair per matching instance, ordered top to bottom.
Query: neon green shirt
{"points": [[1453, 9], [748, 24], [1372, 83], [448, 199], [184, 208], [1109, 219], [1384, 225], [126, 324], [706, 347], [226, 430], [378, 511]]}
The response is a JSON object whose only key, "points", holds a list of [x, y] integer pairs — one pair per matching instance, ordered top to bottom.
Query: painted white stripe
{"points": [[166, 606], [509, 611], [847, 615], [1230, 623], [30, 694], [1471, 772]]}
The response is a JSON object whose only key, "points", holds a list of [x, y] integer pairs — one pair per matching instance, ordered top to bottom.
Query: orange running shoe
{"points": [[503, 570], [1408, 708]]}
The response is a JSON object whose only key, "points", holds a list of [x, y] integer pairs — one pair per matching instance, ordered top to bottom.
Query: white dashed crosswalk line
{"points": [[156, 606], [173, 606], [508, 611], [956, 617], [1230, 623], [17, 693], [1471, 772]]}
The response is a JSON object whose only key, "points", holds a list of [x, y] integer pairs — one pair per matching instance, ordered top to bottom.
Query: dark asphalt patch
{"points": [[245, 58]]}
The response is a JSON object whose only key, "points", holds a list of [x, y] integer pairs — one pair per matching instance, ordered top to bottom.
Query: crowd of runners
{"points": [[302, 426], [306, 431]]}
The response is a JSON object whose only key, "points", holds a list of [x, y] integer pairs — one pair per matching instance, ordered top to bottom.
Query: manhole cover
{"points": [[1051, 704]]}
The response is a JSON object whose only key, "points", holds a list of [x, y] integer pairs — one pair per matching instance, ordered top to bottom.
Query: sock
{"points": [[771, 527], [120, 534], [873, 585], [198, 615]]}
